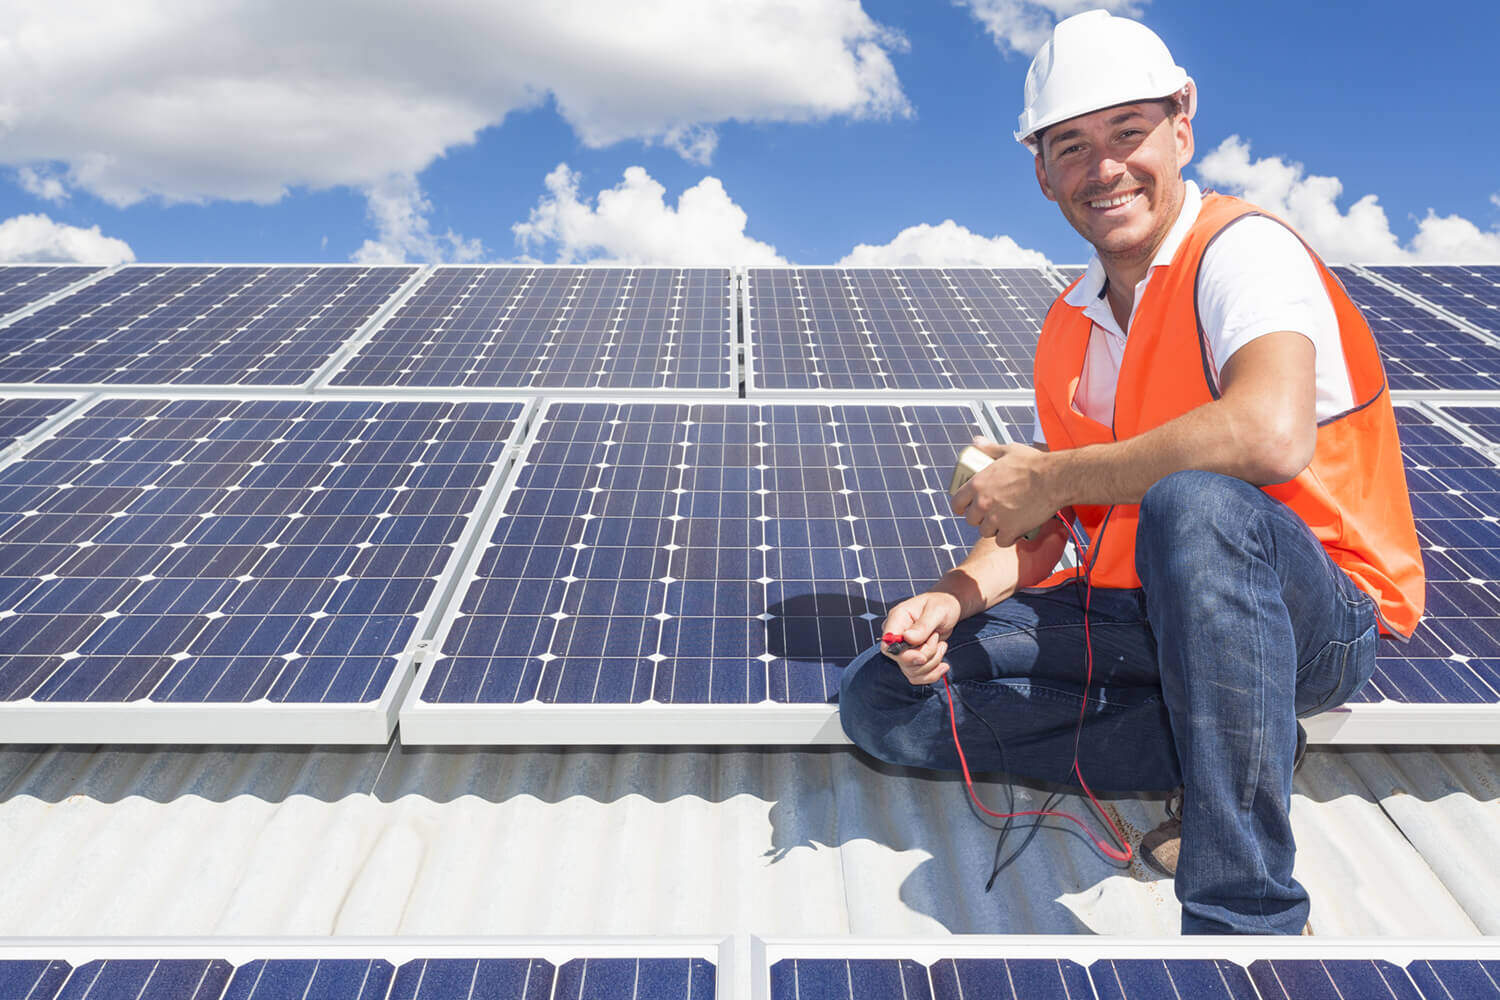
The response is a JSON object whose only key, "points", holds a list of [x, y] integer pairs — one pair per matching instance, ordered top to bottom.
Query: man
{"points": [[1213, 415]]}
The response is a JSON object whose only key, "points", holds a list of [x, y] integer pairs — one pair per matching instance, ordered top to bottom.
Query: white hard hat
{"points": [[1095, 60]]}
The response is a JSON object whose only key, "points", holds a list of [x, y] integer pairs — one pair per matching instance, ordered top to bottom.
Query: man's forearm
{"points": [[985, 578]]}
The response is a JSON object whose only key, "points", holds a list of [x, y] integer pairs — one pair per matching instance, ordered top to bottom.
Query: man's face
{"points": [[1116, 175]]}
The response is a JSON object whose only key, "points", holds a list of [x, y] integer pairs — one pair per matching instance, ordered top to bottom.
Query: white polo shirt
{"points": [[1256, 278]]}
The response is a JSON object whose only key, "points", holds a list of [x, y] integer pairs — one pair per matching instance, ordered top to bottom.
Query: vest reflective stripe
{"points": [[1353, 495]]}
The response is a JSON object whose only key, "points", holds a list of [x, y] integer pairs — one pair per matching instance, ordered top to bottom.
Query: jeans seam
{"points": [[1033, 630], [1051, 693]]}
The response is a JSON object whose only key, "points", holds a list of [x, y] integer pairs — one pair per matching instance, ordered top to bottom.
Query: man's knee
{"points": [[1188, 522], [869, 689]]}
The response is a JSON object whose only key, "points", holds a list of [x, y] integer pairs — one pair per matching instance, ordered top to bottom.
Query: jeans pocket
{"points": [[1339, 669]]}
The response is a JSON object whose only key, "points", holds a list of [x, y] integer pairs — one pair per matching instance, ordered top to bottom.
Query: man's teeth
{"points": [[1112, 202]]}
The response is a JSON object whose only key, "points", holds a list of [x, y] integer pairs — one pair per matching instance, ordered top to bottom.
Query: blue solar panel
{"points": [[1071, 274], [23, 284], [1470, 293], [196, 326], [578, 328], [895, 328], [1421, 351], [21, 415], [1018, 421], [216, 550], [729, 553], [1454, 657], [637, 978], [148, 979], [312, 979], [482, 979], [849, 979], [1010, 979], [1147, 979], [1307, 979], [32, 980], [1456, 980]]}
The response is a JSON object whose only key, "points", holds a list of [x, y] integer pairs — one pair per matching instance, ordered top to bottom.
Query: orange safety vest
{"points": [[1353, 494]]}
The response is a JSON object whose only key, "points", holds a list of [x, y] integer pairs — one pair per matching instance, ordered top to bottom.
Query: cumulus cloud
{"points": [[1021, 26], [243, 100], [43, 182], [1495, 199], [398, 209], [631, 223], [1362, 234], [37, 239], [945, 245]]}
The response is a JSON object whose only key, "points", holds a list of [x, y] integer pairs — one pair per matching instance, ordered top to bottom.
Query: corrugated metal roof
{"points": [[399, 841]]}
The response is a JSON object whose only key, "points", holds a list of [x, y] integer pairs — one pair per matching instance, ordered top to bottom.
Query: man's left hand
{"points": [[1011, 495]]}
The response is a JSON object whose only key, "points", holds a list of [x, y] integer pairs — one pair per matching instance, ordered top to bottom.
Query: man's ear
{"points": [[1182, 134], [1041, 179]]}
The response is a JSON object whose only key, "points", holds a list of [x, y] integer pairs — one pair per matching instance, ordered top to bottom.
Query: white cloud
{"points": [[1021, 26], [244, 100], [42, 181], [1495, 199], [399, 210], [631, 223], [1362, 234], [37, 239], [945, 245]]}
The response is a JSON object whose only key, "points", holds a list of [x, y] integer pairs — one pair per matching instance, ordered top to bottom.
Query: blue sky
{"points": [[178, 149]]}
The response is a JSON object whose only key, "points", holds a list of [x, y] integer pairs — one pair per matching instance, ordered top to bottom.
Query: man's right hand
{"points": [[924, 622]]}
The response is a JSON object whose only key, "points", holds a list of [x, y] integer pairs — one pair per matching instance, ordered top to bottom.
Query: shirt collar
{"points": [[1091, 286]]}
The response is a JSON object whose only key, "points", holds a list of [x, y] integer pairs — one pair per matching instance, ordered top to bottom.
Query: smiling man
{"points": [[1212, 416]]}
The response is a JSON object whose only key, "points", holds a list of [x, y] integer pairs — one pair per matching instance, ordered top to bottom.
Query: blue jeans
{"points": [[1242, 624]]}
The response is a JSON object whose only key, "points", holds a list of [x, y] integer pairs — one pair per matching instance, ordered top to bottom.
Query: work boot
{"points": [[1160, 847]]}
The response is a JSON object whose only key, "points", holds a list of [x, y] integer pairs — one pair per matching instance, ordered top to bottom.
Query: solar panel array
{"points": [[22, 285], [1471, 293], [192, 326], [567, 327], [971, 329], [1421, 350], [20, 415], [220, 551], [727, 553], [1454, 657], [360, 979], [1133, 979]]}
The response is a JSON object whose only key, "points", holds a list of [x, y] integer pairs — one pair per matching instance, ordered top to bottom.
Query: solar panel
{"points": [[1071, 274], [22, 285], [1470, 293], [189, 325], [556, 328], [919, 329], [1421, 351], [20, 415], [1017, 422], [1455, 495], [691, 555], [159, 558], [996, 969], [331, 976]]}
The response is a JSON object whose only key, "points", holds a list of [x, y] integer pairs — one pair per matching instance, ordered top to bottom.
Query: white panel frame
{"points": [[323, 383], [131, 388], [754, 392], [261, 721], [649, 723], [1085, 950]]}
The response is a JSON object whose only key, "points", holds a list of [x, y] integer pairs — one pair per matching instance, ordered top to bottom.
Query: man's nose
{"points": [[1105, 170]]}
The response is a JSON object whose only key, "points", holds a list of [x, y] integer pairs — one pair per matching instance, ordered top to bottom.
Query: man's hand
{"points": [[1010, 496], [924, 622]]}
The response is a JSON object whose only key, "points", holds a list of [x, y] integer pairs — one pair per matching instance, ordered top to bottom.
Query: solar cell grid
{"points": [[24, 284], [1470, 293], [189, 325], [560, 328], [883, 328], [1421, 351], [20, 415], [1455, 496], [215, 550], [694, 553], [148, 979], [307, 979], [490, 979], [1146, 979], [1308, 979], [32, 980], [1456, 980]]}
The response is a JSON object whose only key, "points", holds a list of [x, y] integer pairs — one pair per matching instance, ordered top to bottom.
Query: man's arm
{"points": [[1262, 429]]}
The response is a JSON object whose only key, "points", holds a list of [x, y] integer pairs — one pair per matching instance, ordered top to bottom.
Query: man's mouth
{"points": [[1113, 202]]}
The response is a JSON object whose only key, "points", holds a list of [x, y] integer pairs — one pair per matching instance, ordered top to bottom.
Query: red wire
{"points": [[1125, 853]]}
